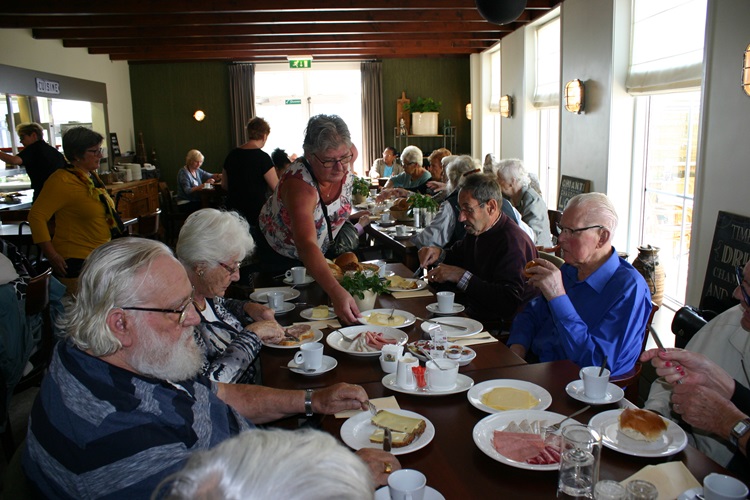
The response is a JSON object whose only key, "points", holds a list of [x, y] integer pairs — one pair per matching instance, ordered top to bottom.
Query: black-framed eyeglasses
{"points": [[95, 151], [344, 161], [470, 210], [570, 231], [231, 270], [740, 278], [182, 310]]}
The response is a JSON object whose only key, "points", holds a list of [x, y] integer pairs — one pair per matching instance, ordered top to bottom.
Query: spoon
{"points": [[429, 356], [604, 364], [291, 368]]}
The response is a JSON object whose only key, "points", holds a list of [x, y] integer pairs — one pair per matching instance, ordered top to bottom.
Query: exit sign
{"points": [[300, 63], [292, 101]]}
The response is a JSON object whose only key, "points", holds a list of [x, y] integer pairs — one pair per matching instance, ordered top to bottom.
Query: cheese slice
{"points": [[403, 283], [319, 312], [383, 319], [509, 398], [398, 423]]}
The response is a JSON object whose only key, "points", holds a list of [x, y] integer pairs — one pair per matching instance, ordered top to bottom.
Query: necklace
{"points": [[198, 306]]}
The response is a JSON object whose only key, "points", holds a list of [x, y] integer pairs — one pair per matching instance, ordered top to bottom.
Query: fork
{"points": [[390, 317], [372, 407], [556, 427]]}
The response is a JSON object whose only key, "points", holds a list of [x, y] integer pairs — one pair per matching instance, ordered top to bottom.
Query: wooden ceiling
{"points": [[264, 30]]}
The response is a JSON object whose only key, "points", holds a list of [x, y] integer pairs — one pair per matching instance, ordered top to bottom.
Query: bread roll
{"points": [[346, 258], [529, 265], [337, 272], [643, 425]]}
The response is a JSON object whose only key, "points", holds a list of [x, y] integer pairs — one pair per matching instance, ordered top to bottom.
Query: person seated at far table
{"points": [[281, 161], [387, 166], [413, 178], [192, 179], [436, 185], [487, 264], [595, 305], [230, 331], [123, 404], [261, 464]]}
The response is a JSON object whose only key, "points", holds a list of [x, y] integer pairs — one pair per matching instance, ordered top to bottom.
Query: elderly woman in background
{"points": [[387, 166], [437, 169], [414, 178], [192, 179], [516, 185], [310, 205], [84, 213], [230, 331]]}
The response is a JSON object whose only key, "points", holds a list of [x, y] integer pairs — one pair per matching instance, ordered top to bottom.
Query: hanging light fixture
{"points": [[746, 71], [574, 96], [506, 106], [468, 111], [199, 115]]}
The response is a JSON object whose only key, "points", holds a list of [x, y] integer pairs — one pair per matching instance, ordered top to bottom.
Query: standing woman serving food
{"points": [[310, 205]]}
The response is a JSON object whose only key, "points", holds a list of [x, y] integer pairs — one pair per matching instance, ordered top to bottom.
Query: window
{"points": [[547, 101]]}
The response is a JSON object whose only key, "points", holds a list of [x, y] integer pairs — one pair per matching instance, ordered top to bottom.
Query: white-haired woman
{"points": [[415, 176], [192, 179], [230, 330]]}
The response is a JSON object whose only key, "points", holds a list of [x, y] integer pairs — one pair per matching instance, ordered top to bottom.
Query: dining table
{"points": [[385, 235], [453, 464]]}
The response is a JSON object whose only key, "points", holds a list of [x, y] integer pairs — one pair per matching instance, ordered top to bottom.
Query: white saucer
{"points": [[308, 279], [285, 308], [433, 308], [307, 314], [327, 365], [613, 395], [430, 493], [691, 494]]}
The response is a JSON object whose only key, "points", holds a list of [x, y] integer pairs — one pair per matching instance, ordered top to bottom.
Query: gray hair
{"points": [[325, 132], [411, 154], [193, 155], [487, 166], [456, 167], [513, 169], [483, 188], [596, 208], [211, 236], [111, 277], [261, 464]]}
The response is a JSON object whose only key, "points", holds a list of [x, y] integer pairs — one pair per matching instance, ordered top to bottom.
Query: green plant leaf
{"points": [[361, 186], [357, 282]]}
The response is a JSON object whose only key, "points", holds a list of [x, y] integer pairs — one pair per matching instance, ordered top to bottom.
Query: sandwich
{"points": [[402, 283], [296, 334], [643, 425], [404, 430]]}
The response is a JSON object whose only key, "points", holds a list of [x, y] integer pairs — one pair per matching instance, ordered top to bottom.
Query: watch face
{"points": [[741, 427]]}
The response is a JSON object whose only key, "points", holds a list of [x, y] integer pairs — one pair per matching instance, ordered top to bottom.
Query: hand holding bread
{"points": [[546, 277]]}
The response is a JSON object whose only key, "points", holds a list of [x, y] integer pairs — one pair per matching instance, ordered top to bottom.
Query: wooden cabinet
{"points": [[136, 198]]}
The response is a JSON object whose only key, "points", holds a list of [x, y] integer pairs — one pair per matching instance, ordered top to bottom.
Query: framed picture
{"points": [[569, 187]]}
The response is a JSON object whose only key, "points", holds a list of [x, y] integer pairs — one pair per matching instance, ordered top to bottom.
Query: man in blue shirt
{"points": [[595, 305]]}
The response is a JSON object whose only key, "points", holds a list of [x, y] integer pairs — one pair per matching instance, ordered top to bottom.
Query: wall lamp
{"points": [[746, 71], [574, 96], [506, 106], [468, 111], [199, 115]]}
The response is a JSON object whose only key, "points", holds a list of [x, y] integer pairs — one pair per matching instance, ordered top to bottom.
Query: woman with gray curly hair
{"points": [[230, 331]]}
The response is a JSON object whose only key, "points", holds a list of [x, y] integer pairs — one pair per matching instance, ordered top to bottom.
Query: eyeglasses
{"points": [[95, 151], [344, 161], [470, 210], [570, 231], [231, 270], [740, 279], [182, 310]]}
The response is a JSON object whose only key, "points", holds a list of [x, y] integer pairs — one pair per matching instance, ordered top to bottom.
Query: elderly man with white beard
{"points": [[123, 404]]}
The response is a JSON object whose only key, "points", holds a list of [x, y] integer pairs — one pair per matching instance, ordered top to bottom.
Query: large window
{"points": [[547, 101]]}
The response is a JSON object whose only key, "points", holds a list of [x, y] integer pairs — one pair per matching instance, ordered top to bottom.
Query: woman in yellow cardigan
{"points": [[84, 213]]}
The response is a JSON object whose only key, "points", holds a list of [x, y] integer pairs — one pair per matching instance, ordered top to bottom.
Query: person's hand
{"points": [[210, 181], [436, 185], [364, 221], [428, 256], [57, 262], [443, 273], [547, 278], [345, 307], [258, 312], [267, 330], [691, 368], [339, 397], [705, 409], [378, 461]]}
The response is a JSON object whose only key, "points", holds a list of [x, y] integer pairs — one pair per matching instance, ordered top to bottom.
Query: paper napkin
{"points": [[411, 295], [482, 338], [388, 403], [670, 478]]}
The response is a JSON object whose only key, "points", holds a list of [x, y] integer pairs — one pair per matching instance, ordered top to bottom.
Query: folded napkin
{"points": [[411, 295], [322, 323], [481, 338], [388, 403], [670, 478]]}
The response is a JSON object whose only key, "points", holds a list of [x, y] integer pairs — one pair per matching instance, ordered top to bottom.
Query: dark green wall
{"points": [[165, 96]]}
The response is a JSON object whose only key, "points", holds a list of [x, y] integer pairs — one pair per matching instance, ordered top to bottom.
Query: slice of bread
{"points": [[643, 425], [404, 429], [398, 439]]}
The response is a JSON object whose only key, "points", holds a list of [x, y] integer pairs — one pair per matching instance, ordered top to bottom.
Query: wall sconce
{"points": [[746, 71], [574, 96], [506, 106], [468, 111], [199, 115]]}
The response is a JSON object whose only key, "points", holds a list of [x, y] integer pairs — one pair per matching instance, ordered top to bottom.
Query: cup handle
{"points": [[288, 274], [299, 358], [580, 374]]}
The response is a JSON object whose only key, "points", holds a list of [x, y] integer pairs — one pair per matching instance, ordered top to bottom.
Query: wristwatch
{"points": [[308, 404], [740, 429]]}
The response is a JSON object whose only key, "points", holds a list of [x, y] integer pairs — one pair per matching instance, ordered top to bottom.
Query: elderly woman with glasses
{"points": [[415, 176], [311, 203], [230, 331]]}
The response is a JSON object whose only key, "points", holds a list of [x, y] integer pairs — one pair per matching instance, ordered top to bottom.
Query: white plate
{"points": [[308, 279], [421, 284], [262, 296], [285, 308], [433, 308], [307, 314], [409, 318], [473, 326], [317, 337], [336, 340], [467, 353], [327, 365], [463, 383], [540, 393], [613, 395], [485, 429], [356, 432], [672, 441], [384, 493], [691, 494]]}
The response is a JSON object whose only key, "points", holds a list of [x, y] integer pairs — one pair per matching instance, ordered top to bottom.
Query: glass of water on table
{"points": [[439, 342], [579, 462]]}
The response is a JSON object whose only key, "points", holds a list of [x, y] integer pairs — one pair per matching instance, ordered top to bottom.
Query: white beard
{"points": [[158, 358]]}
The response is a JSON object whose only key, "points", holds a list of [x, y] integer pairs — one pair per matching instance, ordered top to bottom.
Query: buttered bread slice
{"points": [[404, 429], [398, 439]]}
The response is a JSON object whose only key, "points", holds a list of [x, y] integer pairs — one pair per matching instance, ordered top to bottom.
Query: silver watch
{"points": [[308, 403], [740, 429]]}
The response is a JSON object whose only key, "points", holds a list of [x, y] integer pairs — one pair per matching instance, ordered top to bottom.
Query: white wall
{"points": [[23, 51], [512, 83]]}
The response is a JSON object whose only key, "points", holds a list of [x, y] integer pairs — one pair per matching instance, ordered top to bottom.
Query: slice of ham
{"points": [[527, 447]]}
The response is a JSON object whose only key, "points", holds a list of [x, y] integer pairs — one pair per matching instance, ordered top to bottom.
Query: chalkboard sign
{"points": [[115, 144], [569, 187], [730, 248]]}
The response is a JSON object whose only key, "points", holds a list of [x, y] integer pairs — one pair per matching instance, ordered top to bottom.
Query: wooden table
{"points": [[403, 247]]}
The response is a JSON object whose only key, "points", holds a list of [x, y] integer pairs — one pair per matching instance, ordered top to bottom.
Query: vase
{"points": [[424, 123], [358, 199], [417, 214], [427, 217], [647, 263], [366, 303]]}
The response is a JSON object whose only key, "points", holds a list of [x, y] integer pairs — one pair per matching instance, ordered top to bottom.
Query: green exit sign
{"points": [[300, 63], [292, 101]]}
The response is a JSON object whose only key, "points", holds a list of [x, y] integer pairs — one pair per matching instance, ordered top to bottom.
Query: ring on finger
{"points": [[387, 467]]}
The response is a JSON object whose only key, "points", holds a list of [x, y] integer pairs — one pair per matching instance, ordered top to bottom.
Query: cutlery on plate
{"points": [[418, 273], [390, 317], [457, 327], [429, 356], [306, 370], [373, 409], [556, 427], [387, 439]]}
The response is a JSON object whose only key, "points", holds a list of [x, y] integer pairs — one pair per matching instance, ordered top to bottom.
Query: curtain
{"points": [[242, 99], [373, 139]]}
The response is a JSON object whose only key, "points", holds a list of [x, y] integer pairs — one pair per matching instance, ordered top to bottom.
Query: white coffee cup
{"points": [[208, 185], [373, 192], [385, 217], [400, 230], [296, 274], [275, 300], [445, 301], [310, 356], [404, 376], [441, 380], [594, 385], [407, 484], [722, 487]]}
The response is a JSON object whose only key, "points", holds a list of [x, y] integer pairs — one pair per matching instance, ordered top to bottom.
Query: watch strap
{"points": [[308, 403], [738, 431]]}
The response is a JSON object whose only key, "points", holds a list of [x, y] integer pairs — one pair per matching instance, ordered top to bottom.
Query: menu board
{"points": [[115, 144], [569, 187], [730, 248]]}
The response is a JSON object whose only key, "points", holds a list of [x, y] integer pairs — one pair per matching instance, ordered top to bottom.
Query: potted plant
{"points": [[424, 114], [360, 190], [423, 207], [364, 286]]}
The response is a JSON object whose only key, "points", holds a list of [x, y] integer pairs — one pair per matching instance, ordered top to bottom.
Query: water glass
{"points": [[579, 462], [641, 490]]}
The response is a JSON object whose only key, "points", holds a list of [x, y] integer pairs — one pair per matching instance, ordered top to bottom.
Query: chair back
{"points": [[554, 220], [148, 225], [37, 302]]}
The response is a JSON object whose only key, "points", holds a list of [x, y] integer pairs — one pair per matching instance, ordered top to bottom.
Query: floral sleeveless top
{"points": [[276, 225]]}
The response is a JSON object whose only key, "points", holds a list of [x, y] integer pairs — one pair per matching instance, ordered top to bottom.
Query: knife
{"points": [[418, 273], [457, 327], [387, 439]]}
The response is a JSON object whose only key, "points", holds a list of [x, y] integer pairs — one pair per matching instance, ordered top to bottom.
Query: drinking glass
{"points": [[579, 462], [606, 489], [641, 490]]}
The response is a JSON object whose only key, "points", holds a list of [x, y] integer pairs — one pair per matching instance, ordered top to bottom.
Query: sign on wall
{"points": [[570, 187], [730, 248]]}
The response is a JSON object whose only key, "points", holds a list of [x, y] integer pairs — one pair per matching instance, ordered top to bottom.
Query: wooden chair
{"points": [[171, 216], [554, 220], [148, 226], [629, 381]]}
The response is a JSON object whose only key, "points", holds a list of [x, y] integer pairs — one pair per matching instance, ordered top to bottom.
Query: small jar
{"points": [[453, 353], [607, 489], [641, 490]]}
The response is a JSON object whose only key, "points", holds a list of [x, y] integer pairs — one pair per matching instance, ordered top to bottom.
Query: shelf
{"points": [[448, 137]]}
